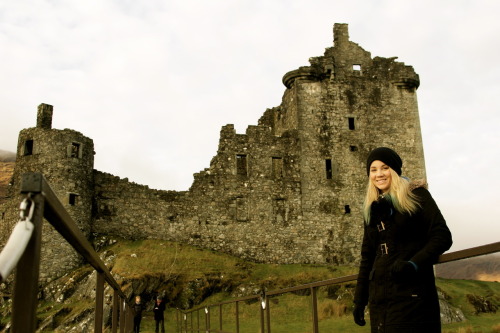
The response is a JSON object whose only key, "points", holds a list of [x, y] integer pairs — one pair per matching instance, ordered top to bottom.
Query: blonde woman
{"points": [[404, 234], [138, 308]]}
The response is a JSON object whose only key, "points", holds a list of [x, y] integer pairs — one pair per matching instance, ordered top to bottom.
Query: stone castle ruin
{"points": [[289, 190]]}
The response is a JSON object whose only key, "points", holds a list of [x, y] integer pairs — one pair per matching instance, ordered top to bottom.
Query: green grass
{"points": [[152, 257], [482, 322]]}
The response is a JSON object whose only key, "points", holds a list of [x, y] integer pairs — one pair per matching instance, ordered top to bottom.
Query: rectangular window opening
{"points": [[356, 68], [351, 123], [28, 147], [353, 148], [75, 150], [241, 165], [328, 166], [277, 167], [73, 199], [347, 209], [281, 211]]}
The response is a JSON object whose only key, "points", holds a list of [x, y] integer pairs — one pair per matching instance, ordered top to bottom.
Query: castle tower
{"points": [[342, 106], [66, 160]]}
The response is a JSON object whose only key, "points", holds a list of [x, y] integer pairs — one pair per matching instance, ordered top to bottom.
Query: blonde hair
{"points": [[400, 194]]}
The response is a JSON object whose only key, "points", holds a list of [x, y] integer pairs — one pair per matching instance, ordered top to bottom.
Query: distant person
{"points": [[404, 234], [138, 307], [159, 309]]}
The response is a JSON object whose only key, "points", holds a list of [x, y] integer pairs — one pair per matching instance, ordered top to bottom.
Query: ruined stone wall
{"points": [[248, 201], [246, 204], [134, 211]]}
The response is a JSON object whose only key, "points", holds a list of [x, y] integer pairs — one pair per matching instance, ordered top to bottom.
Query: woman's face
{"points": [[380, 176]]}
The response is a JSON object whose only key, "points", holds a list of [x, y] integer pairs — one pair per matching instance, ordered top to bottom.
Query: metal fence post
{"points": [[28, 269], [314, 299], [99, 302], [116, 305], [237, 312], [123, 315], [268, 315], [220, 317], [207, 319], [177, 320], [198, 320], [181, 322], [129, 324], [262, 326]]}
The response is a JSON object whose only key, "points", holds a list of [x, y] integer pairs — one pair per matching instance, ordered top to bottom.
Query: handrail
{"points": [[47, 205], [60, 219], [470, 253], [182, 324]]}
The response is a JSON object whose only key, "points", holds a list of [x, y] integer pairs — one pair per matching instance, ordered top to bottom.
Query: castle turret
{"points": [[340, 34], [351, 104], [44, 116], [66, 160]]}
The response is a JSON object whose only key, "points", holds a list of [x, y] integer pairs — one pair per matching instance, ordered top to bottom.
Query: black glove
{"points": [[403, 269], [359, 314]]}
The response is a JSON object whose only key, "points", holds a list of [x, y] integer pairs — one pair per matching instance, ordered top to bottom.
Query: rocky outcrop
{"points": [[482, 304], [449, 313]]}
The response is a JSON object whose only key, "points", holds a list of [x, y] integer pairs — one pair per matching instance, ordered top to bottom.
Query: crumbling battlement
{"points": [[348, 61], [289, 190]]}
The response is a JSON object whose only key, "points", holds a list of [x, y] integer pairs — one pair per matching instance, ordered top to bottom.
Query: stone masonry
{"points": [[289, 190]]}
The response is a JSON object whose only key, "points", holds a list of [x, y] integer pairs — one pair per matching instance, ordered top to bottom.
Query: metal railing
{"points": [[23, 251], [189, 321]]}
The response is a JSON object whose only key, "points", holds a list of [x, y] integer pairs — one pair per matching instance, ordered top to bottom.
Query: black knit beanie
{"points": [[386, 155]]}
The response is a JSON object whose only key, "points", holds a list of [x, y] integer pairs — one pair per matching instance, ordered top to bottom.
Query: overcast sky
{"points": [[152, 82]]}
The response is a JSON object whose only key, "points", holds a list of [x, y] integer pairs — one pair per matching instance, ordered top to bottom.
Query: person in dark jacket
{"points": [[404, 235], [138, 307], [158, 310]]}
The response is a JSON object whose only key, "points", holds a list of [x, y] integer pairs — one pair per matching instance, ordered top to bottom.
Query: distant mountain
{"points": [[7, 156], [6, 172], [484, 268]]}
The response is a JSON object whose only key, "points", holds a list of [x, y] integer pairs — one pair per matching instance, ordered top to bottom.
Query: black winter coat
{"points": [[406, 303], [138, 307], [158, 310]]}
